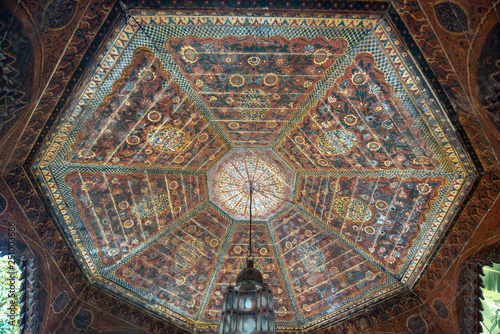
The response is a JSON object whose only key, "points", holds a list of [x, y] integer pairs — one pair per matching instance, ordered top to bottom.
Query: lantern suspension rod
{"points": [[250, 233]]}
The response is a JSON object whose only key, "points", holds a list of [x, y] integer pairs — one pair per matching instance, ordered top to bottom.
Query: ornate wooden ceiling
{"points": [[359, 169]]}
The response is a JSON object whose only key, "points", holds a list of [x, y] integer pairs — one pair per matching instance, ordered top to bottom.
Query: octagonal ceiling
{"points": [[359, 170]]}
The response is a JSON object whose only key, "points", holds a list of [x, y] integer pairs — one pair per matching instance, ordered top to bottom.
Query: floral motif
{"points": [[189, 54], [253, 103], [168, 138], [336, 142], [352, 209]]}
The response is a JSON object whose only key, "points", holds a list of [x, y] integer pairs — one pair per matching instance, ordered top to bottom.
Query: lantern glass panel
{"points": [[249, 303], [233, 322], [264, 322], [227, 323], [246, 325]]}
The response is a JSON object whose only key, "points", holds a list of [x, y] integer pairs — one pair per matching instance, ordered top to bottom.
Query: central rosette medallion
{"points": [[231, 179]]}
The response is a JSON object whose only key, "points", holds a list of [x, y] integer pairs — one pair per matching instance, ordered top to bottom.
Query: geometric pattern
{"points": [[245, 81], [146, 120], [358, 124], [231, 179], [122, 211], [381, 216], [264, 260], [317, 264], [174, 269]]}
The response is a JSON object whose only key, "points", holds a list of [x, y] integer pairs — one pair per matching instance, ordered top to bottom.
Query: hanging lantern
{"points": [[248, 307]]}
